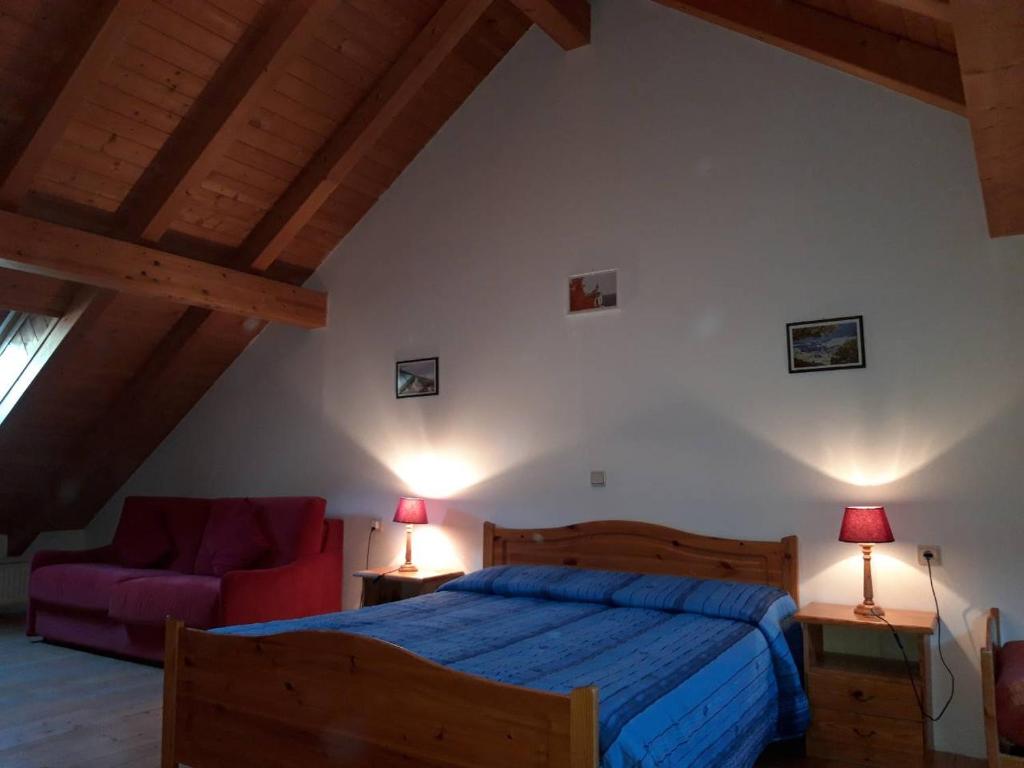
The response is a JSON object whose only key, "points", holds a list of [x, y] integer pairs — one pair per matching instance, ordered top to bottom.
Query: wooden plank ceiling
{"points": [[205, 136], [172, 170]]}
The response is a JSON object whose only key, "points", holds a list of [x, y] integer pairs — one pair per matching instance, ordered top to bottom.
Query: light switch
{"points": [[597, 478]]}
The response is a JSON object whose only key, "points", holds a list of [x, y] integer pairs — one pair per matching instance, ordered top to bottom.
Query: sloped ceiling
{"points": [[187, 125], [254, 134]]}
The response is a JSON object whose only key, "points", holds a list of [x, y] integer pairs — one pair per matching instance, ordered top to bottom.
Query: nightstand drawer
{"points": [[863, 694], [882, 741]]}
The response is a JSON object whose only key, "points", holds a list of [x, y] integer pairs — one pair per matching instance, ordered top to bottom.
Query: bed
{"points": [[506, 666]]}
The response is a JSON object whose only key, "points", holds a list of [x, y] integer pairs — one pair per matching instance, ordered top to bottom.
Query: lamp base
{"points": [[407, 568], [874, 611]]}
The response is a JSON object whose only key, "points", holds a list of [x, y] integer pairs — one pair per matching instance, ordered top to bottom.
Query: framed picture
{"points": [[593, 291], [826, 345], [416, 378]]}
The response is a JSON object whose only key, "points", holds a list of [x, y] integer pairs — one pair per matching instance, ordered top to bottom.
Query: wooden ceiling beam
{"points": [[939, 10], [567, 22], [105, 29], [990, 42], [897, 63], [218, 117], [361, 131], [42, 248], [34, 294]]}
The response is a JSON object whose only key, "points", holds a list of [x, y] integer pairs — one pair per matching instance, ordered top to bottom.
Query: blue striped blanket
{"points": [[690, 672]]}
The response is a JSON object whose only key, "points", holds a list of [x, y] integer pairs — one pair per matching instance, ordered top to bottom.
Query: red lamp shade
{"points": [[411, 511], [865, 525]]}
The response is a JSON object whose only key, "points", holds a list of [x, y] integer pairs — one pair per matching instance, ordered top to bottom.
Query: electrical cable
{"points": [[369, 540], [382, 574], [910, 672]]}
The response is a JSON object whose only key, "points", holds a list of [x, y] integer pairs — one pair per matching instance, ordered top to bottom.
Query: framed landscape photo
{"points": [[593, 291], [826, 345], [416, 378]]}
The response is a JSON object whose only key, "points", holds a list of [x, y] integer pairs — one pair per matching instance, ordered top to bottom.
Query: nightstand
{"points": [[385, 585], [863, 708]]}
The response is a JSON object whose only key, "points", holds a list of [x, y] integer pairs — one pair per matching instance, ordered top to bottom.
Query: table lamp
{"points": [[411, 512], [866, 526]]}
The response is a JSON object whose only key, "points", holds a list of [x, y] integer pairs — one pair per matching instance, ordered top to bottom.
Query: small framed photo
{"points": [[593, 291], [826, 345], [416, 378]]}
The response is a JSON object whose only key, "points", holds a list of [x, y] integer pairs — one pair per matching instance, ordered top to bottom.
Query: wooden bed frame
{"points": [[993, 640], [319, 699]]}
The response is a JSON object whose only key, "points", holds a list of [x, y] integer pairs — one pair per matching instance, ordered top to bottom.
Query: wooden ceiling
{"points": [[173, 170]]}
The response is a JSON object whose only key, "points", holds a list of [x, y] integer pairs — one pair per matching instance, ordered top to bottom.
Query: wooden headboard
{"points": [[622, 545]]}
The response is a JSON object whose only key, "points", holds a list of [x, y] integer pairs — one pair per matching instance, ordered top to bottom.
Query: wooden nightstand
{"points": [[380, 586], [863, 708]]}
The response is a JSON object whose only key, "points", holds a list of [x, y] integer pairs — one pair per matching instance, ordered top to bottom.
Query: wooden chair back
{"points": [[989, 658]]}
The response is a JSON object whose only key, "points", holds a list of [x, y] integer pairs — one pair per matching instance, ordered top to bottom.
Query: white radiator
{"points": [[13, 583]]}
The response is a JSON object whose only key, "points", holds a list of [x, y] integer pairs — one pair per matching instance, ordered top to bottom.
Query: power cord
{"points": [[369, 541], [381, 575], [910, 672]]}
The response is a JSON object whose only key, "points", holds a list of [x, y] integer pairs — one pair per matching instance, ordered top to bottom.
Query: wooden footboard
{"points": [[317, 699]]}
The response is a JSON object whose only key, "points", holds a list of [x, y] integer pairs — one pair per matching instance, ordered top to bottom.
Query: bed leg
{"points": [[174, 629], [583, 746]]}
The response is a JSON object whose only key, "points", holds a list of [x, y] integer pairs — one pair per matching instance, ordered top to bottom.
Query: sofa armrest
{"points": [[60, 556], [46, 557], [306, 587]]}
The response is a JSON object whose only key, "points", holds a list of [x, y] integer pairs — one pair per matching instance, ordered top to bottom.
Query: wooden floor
{"points": [[62, 708]]}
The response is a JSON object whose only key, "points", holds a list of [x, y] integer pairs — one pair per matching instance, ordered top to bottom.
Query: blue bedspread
{"points": [[690, 672]]}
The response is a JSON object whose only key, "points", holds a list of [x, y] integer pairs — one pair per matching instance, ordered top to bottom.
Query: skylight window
{"points": [[21, 336]]}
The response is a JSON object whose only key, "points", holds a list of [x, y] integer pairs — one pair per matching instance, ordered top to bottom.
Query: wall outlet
{"points": [[598, 479], [375, 524], [936, 551]]}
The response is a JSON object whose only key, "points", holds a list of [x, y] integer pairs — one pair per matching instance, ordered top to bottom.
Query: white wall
{"points": [[737, 187]]}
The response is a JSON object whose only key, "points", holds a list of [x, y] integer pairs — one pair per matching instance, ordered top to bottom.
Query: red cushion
{"points": [[184, 520], [295, 525], [234, 538], [141, 540], [86, 586], [193, 599], [1010, 692]]}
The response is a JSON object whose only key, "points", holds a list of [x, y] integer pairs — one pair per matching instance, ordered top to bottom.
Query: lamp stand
{"points": [[408, 567], [868, 607]]}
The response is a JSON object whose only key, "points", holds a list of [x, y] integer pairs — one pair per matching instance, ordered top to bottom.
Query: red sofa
{"points": [[209, 562]]}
